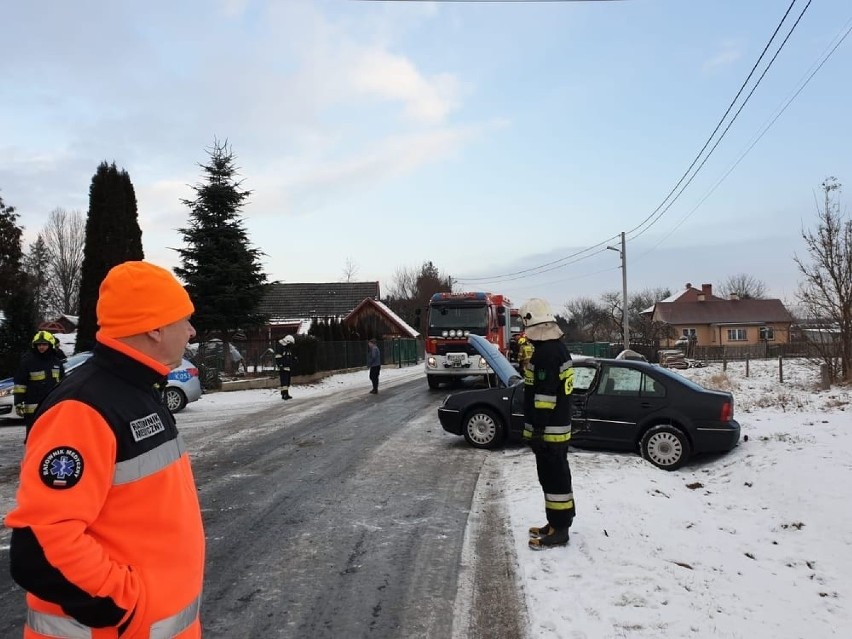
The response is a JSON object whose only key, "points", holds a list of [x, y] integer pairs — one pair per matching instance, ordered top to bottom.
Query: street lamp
{"points": [[624, 314]]}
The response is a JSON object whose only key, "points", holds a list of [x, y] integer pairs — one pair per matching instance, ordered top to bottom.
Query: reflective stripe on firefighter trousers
{"points": [[551, 434], [559, 501], [68, 628]]}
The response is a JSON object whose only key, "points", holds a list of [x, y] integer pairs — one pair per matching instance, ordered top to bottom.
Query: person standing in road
{"points": [[284, 361], [374, 363], [41, 369], [548, 384], [107, 537]]}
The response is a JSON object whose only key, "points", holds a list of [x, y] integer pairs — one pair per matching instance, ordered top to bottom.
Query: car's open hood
{"points": [[505, 372]]}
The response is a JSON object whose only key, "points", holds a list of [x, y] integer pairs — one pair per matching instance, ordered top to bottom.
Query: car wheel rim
{"points": [[172, 400], [481, 429], [664, 449]]}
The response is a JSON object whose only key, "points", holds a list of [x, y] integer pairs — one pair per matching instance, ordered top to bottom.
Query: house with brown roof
{"points": [[292, 307], [709, 320], [384, 322]]}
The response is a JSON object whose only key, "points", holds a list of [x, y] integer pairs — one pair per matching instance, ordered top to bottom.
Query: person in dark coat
{"points": [[284, 361], [374, 363], [40, 370], [548, 385]]}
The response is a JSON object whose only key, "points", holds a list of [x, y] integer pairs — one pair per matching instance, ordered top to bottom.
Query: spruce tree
{"points": [[113, 236], [223, 273], [16, 302]]}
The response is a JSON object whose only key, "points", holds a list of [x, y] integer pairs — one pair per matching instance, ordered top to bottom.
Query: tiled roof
{"points": [[306, 300], [722, 312]]}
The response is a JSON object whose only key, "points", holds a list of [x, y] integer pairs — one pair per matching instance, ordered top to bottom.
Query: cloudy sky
{"points": [[489, 138]]}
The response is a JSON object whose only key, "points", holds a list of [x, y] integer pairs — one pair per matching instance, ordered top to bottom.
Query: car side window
{"points": [[583, 378], [620, 382], [651, 387]]}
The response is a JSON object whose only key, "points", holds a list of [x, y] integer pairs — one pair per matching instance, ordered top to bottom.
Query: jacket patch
{"points": [[146, 427], [61, 468]]}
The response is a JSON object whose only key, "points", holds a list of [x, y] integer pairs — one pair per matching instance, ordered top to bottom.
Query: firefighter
{"points": [[525, 352], [284, 361], [40, 371], [548, 383], [107, 537]]}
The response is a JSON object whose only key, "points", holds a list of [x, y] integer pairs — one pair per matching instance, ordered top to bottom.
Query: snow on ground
{"points": [[754, 543], [751, 544]]}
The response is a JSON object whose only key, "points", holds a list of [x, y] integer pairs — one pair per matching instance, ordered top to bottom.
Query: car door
{"points": [[623, 398]]}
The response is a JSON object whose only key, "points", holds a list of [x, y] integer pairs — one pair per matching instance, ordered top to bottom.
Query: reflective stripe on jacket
{"points": [[548, 384], [107, 531]]}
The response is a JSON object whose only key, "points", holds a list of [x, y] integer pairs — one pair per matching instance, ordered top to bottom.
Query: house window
{"points": [[689, 332], [767, 333], [737, 335]]}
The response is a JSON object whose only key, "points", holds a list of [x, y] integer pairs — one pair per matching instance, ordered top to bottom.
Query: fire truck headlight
{"points": [[452, 332], [444, 333], [466, 333], [431, 362], [482, 363]]}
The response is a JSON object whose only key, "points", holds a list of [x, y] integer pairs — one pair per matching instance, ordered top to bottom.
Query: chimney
{"points": [[689, 285], [707, 289]]}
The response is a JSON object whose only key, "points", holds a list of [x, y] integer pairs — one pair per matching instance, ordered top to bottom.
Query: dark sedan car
{"points": [[618, 405]]}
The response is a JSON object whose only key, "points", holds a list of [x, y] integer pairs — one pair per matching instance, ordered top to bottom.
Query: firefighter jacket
{"points": [[525, 353], [284, 358], [37, 375], [548, 384], [107, 537]]}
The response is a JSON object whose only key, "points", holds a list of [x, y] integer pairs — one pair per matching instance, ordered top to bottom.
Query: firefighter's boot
{"points": [[540, 531], [555, 538]]}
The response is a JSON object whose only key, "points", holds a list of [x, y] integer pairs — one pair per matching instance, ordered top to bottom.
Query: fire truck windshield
{"points": [[469, 318]]}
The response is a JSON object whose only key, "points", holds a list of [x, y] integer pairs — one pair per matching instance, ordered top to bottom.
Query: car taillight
{"points": [[193, 371], [727, 412]]}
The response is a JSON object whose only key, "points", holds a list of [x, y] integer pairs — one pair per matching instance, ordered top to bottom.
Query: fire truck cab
{"points": [[451, 318]]}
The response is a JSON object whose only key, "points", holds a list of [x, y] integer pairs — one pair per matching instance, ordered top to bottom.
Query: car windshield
{"points": [[469, 318]]}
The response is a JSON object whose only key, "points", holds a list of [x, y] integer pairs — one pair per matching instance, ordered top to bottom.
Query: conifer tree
{"points": [[113, 236], [36, 264], [223, 273], [19, 322]]}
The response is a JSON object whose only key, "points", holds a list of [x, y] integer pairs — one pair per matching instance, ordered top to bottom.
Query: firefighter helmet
{"points": [[536, 311], [44, 337], [287, 340]]}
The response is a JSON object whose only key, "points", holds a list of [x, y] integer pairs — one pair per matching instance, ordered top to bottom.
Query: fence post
{"points": [[724, 361], [746, 364], [781, 369], [824, 377]]}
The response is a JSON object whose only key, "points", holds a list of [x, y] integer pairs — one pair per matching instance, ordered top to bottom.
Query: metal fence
{"points": [[762, 351], [256, 357]]}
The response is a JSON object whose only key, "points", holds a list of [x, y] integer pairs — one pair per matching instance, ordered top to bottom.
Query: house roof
{"points": [[306, 300], [722, 312], [392, 317]]}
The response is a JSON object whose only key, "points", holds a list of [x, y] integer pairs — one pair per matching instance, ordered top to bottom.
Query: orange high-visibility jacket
{"points": [[107, 536]]}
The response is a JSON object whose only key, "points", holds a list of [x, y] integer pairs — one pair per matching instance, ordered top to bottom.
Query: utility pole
{"points": [[624, 314]]}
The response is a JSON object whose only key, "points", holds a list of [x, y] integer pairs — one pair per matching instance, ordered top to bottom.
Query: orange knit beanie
{"points": [[136, 297]]}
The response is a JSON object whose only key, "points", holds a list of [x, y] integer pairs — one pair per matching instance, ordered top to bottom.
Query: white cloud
{"points": [[730, 52], [393, 77]]}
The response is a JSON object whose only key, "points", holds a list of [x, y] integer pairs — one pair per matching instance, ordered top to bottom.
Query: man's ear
{"points": [[156, 335]]}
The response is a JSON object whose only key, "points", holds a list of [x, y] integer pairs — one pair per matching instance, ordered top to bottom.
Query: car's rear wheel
{"points": [[433, 382], [175, 399], [483, 429], [665, 446]]}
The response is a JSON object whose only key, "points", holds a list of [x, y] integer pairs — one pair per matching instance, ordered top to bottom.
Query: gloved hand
{"points": [[19, 410]]}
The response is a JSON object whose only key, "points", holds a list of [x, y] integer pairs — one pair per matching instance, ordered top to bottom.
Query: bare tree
{"points": [[64, 237], [350, 270], [404, 283], [744, 286], [413, 287], [826, 292], [588, 320]]}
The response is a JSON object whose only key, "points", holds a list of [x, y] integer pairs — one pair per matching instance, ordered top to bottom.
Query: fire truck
{"points": [[451, 318]]}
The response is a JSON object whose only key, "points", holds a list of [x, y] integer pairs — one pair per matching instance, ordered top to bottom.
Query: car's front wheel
{"points": [[433, 381], [175, 399], [483, 429], [665, 446]]}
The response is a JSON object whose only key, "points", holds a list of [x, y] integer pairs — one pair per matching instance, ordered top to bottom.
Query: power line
{"points": [[815, 67], [721, 137], [543, 268]]}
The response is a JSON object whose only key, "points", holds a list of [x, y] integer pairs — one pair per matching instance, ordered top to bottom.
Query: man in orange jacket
{"points": [[107, 537]]}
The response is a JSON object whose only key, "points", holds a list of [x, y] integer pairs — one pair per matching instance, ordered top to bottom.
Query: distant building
{"points": [[708, 320]]}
